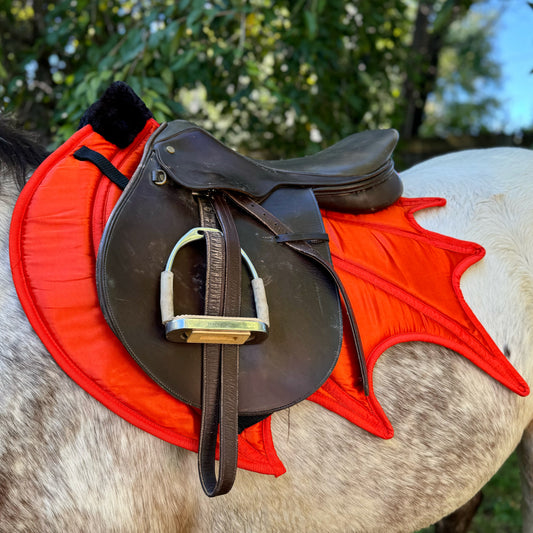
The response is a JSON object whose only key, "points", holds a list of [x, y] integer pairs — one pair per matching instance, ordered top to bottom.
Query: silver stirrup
{"points": [[212, 329]]}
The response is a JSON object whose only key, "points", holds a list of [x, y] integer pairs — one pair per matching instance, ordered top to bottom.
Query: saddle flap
{"points": [[305, 318]]}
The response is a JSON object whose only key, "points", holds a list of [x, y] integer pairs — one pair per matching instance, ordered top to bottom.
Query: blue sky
{"points": [[513, 47]]}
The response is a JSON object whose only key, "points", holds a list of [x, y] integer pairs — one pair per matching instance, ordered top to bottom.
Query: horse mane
{"points": [[19, 151]]}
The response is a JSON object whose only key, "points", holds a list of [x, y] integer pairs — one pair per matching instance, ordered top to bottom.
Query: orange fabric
{"points": [[55, 232], [404, 281]]}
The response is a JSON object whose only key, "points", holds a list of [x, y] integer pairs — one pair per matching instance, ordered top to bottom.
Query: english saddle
{"points": [[214, 272]]}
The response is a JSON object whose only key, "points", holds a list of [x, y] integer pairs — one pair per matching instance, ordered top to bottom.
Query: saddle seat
{"points": [[354, 175]]}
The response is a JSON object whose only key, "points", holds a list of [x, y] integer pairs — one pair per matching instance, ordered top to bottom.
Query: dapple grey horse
{"points": [[69, 464]]}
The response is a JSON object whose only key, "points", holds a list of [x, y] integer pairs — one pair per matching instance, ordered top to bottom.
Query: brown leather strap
{"points": [[277, 227], [286, 237], [215, 267], [220, 362], [229, 389]]}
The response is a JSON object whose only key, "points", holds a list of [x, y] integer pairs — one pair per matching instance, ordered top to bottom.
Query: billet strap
{"points": [[277, 227], [220, 363]]}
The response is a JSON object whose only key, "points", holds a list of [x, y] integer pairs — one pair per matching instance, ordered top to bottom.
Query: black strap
{"points": [[104, 165]]}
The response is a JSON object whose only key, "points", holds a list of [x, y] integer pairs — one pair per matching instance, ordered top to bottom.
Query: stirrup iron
{"points": [[212, 329]]}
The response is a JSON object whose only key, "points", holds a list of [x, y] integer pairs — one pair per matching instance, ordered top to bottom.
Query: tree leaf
{"points": [[311, 24]]}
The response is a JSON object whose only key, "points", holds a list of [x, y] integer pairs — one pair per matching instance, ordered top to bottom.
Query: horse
{"points": [[67, 463]]}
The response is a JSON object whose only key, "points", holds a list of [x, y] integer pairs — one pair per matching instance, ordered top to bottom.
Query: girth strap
{"points": [[278, 228], [220, 363]]}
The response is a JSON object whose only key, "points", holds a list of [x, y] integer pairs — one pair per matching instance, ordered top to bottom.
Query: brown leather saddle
{"points": [[214, 272]]}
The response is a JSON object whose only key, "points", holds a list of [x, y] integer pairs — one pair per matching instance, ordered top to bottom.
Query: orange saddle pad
{"points": [[403, 279]]}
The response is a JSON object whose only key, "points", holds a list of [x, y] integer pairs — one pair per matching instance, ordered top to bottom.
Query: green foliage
{"points": [[293, 70], [281, 76], [461, 100]]}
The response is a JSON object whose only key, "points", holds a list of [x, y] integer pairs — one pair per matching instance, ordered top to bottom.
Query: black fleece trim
{"points": [[118, 116]]}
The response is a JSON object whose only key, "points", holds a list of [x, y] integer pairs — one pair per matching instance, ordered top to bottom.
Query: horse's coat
{"points": [[66, 463]]}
